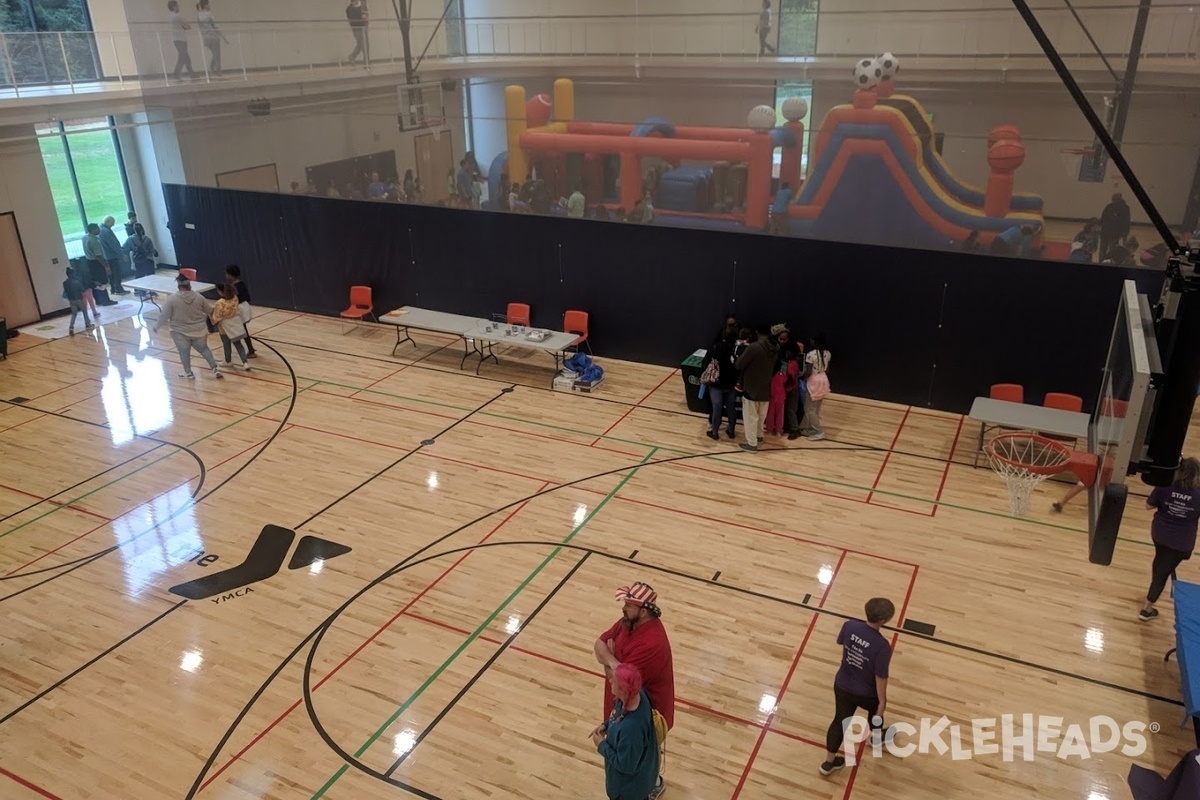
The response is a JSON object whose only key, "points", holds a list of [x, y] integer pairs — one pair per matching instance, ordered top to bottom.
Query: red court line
{"points": [[277, 324], [384, 378], [62, 389], [841, 398], [636, 405], [39, 414], [888, 454], [946, 472], [151, 500], [52, 502], [693, 514], [359, 649], [600, 676], [766, 726], [862, 746], [30, 786]]}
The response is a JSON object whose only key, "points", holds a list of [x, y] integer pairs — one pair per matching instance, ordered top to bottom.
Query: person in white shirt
{"points": [[179, 29], [764, 29], [209, 34], [576, 204], [186, 314], [816, 386]]}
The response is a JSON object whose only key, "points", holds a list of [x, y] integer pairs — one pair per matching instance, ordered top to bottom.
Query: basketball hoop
{"points": [[1072, 159], [1024, 460]]}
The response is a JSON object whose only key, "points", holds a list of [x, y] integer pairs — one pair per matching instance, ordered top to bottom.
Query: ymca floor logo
{"points": [[263, 561]]}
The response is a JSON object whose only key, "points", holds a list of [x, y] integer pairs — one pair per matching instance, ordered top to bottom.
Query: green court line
{"points": [[174, 452], [742, 464], [374, 737]]}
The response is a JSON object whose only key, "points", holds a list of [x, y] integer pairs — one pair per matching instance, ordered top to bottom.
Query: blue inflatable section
{"points": [[653, 125], [783, 137], [498, 164], [863, 185], [684, 189], [974, 197]]}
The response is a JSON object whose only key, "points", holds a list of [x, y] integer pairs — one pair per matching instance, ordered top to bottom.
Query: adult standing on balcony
{"points": [[359, 18], [764, 29], [179, 30], [209, 34]]}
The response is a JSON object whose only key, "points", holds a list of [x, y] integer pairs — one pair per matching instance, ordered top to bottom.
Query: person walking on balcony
{"points": [[359, 18], [764, 29], [179, 30], [209, 34]]}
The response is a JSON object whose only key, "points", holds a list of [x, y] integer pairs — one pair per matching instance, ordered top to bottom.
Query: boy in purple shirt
{"points": [[1173, 529], [861, 681]]}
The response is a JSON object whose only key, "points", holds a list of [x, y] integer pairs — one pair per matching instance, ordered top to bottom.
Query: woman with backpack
{"points": [[141, 252], [719, 376], [816, 384], [627, 739]]}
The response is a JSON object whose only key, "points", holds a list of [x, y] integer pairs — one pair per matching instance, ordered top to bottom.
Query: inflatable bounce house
{"points": [[875, 175]]}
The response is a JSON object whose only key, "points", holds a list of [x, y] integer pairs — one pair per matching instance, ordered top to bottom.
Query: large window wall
{"points": [[47, 41], [86, 174]]}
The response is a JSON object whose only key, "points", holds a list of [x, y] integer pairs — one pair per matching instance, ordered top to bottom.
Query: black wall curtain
{"points": [[917, 327]]}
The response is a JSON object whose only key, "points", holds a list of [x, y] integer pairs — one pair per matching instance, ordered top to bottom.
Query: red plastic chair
{"points": [[190, 274], [361, 305], [518, 314], [576, 322], [1012, 392], [1067, 402], [1112, 407]]}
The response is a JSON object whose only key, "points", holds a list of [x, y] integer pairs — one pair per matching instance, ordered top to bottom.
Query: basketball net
{"points": [[1072, 160], [1024, 461]]}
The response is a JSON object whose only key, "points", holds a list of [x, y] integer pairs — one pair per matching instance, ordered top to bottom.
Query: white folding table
{"points": [[150, 285], [479, 335], [989, 412]]}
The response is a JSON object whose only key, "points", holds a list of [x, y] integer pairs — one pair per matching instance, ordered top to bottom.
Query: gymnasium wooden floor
{"points": [[448, 654]]}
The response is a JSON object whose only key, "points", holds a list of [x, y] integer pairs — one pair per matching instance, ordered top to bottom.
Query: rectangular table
{"points": [[151, 285], [475, 334], [1024, 416]]}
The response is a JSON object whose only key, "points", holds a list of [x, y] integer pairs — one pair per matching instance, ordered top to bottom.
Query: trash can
{"points": [[690, 370]]}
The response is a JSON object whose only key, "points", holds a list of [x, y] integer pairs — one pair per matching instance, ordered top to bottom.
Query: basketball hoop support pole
{"points": [[1177, 330]]}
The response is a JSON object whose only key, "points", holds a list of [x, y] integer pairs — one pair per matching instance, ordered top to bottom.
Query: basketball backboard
{"points": [[1122, 417]]}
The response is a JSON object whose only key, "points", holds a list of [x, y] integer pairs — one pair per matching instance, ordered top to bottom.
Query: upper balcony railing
{"points": [[34, 63]]}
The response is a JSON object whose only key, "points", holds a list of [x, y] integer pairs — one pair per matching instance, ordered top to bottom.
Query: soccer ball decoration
{"points": [[889, 64], [867, 73], [794, 109], [761, 119]]}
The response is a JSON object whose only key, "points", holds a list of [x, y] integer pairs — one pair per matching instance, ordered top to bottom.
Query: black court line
{"points": [[47, 499], [91, 557], [318, 632], [87, 664], [478, 674], [386, 777]]}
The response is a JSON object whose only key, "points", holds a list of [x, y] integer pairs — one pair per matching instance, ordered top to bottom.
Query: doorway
{"points": [[435, 156], [18, 303]]}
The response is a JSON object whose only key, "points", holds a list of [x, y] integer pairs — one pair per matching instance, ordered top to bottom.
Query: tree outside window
{"points": [[797, 27], [45, 42]]}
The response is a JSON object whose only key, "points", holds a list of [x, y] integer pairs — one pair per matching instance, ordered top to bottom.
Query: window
{"points": [[797, 27], [47, 41], [803, 90], [86, 174]]}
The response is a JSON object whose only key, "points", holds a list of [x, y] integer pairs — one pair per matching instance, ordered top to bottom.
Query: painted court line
{"points": [[476, 633]]}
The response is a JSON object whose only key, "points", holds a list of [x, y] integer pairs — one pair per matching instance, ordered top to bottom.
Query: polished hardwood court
{"points": [[448, 652]]}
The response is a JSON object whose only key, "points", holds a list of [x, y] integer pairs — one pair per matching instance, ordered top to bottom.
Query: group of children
{"points": [[227, 316]]}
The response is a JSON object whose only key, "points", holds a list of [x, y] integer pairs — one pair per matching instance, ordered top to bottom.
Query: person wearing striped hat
{"points": [[639, 638]]}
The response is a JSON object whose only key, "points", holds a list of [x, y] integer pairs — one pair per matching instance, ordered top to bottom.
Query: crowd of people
{"points": [[107, 260], [191, 317], [782, 383]]}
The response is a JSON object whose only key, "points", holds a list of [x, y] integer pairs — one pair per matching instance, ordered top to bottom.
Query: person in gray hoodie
{"points": [[186, 313]]}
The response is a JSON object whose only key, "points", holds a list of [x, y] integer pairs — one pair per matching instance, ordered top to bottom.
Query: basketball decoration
{"points": [[889, 64], [867, 73], [794, 109], [537, 110], [761, 119], [1002, 132], [1006, 155]]}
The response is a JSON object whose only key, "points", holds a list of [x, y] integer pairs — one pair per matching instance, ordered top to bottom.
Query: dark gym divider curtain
{"points": [[916, 327]]}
